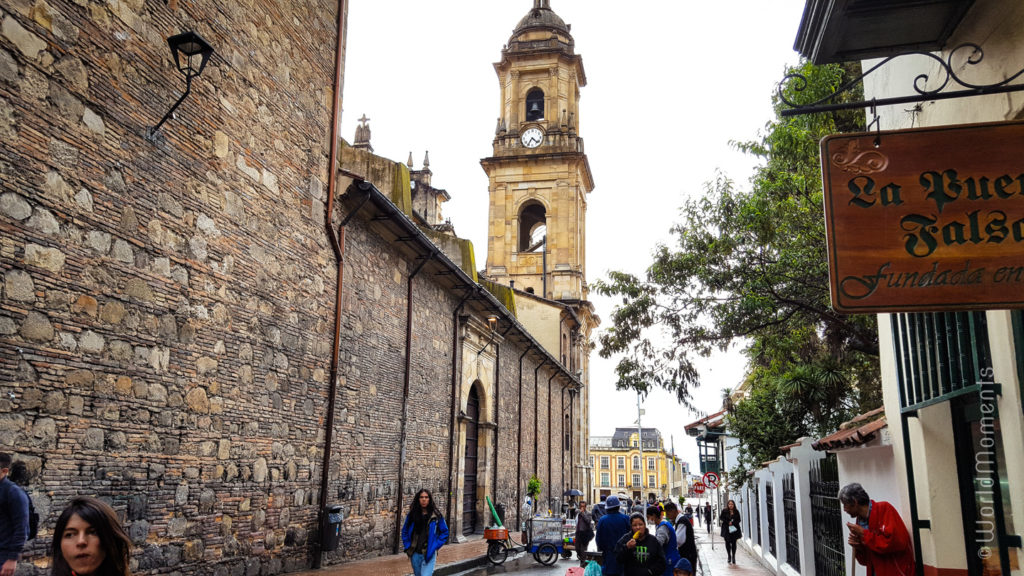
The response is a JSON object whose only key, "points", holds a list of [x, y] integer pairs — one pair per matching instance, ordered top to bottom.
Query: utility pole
{"points": [[640, 435], [672, 469]]}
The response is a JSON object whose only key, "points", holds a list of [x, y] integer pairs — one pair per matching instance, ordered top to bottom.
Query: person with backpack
{"points": [[13, 519], [665, 533]]}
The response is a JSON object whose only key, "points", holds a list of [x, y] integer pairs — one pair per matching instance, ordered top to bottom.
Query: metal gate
{"points": [[469, 490], [769, 497], [757, 511], [827, 517], [792, 530]]}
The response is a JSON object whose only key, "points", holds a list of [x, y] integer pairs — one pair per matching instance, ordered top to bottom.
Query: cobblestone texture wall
{"points": [[166, 304]]}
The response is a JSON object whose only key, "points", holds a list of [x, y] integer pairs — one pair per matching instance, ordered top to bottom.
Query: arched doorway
{"points": [[469, 484]]}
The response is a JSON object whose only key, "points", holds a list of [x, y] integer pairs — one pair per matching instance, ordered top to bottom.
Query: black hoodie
{"points": [[646, 559]]}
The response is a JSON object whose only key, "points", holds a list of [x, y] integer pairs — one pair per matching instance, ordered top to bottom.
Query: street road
{"points": [[526, 566]]}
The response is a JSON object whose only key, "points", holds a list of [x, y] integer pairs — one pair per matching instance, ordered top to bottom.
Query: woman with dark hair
{"points": [[730, 519], [423, 533], [88, 541]]}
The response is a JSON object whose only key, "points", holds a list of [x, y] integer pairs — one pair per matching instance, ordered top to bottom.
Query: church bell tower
{"points": [[538, 174]]}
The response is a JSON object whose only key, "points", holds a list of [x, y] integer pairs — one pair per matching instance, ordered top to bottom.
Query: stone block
{"points": [[26, 42], [14, 206], [50, 259], [18, 286], [85, 304], [36, 327]]}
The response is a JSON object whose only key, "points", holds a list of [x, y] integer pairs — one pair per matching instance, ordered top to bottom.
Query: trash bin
{"points": [[500, 510], [331, 533]]}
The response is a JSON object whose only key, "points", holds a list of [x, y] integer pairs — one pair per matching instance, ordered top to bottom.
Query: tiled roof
{"points": [[711, 421], [856, 432]]}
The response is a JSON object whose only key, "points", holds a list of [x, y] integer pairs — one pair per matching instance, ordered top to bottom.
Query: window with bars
{"points": [[939, 355], [621, 460], [604, 462], [650, 463], [636, 479], [622, 480]]}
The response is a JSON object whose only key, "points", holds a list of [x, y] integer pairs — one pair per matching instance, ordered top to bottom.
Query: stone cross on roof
{"points": [[362, 139]]}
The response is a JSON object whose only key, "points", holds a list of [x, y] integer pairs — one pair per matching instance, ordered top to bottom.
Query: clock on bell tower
{"points": [[538, 174]]}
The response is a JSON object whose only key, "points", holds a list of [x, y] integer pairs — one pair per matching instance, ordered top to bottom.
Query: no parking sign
{"points": [[711, 480]]}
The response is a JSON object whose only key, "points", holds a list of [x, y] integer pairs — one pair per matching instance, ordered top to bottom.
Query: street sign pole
{"points": [[712, 480]]}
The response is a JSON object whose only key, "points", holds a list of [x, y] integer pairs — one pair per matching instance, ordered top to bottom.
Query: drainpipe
{"points": [[338, 245], [544, 267], [405, 399], [497, 405], [536, 419], [453, 434], [519, 438], [572, 438], [561, 441], [550, 448]]}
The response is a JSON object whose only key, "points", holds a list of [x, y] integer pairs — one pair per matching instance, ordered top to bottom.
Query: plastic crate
{"points": [[495, 533]]}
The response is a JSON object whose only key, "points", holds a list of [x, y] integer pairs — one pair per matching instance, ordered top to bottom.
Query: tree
{"points": [[750, 267]]}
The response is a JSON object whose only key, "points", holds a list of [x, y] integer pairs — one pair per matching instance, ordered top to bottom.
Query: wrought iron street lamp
{"points": [[191, 54]]}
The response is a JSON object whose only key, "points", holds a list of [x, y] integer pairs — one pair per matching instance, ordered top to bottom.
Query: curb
{"points": [[461, 566]]}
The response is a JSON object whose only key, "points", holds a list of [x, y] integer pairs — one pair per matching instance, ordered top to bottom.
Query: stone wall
{"points": [[166, 303]]}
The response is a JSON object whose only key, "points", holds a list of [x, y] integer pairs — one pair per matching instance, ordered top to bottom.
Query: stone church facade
{"points": [[224, 326]]}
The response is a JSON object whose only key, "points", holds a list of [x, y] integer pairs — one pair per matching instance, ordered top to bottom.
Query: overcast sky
{"points": [[669, 84]]}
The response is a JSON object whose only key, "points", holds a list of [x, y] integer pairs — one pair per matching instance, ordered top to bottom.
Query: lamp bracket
{"points": [[795, 83]]}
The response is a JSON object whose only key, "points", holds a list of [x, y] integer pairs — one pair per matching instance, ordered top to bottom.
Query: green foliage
{"points": [[750, 268], [533, 487]]}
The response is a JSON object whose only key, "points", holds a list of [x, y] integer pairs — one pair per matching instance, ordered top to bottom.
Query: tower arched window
{"points": [[534, 105], [532, 227]]}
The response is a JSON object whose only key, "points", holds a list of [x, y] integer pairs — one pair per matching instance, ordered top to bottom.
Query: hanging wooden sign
{"points": [[932, 219]]}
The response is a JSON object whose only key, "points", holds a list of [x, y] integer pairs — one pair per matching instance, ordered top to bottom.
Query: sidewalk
{"points": [[451, 559], [715, 562]]}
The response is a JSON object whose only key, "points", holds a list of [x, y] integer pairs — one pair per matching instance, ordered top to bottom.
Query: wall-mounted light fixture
{"points": [[191, 53], [492, 323]]}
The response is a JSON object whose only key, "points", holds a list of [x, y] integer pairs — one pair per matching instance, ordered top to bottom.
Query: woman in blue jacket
{"points": [[423, 533]]}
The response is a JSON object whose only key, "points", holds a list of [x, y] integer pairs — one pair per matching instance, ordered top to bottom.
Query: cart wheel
{"points": [[497, 552], [547, 554], [566, 554]]}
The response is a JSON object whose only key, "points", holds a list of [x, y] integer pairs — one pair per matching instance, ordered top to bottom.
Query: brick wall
{"points": [[166, 304]]}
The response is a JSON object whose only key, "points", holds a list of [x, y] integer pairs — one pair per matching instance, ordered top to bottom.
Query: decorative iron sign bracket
{"points": [[828, 104]]}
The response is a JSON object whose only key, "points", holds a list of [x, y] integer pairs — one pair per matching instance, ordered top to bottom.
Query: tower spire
{"points": [[538, 4]]}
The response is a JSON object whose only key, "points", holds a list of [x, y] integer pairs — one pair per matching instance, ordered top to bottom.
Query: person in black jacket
{"points": [[730, 520], [639, 552]]}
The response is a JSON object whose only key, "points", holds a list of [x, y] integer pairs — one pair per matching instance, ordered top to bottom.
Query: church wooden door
{"points": [[469, 491]]}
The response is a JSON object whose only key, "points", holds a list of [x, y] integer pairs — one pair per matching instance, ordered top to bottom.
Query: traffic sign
{"points": [[711, 480], [698, 487]]}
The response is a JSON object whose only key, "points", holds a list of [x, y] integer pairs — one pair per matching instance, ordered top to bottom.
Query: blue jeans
{"points": [[422, 567]]}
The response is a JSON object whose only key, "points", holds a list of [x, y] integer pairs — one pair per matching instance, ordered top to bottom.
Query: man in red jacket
{"points": [[879, 538]]}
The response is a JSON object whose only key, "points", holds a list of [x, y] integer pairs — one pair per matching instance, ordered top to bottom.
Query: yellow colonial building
{"points": [[622, 464]]}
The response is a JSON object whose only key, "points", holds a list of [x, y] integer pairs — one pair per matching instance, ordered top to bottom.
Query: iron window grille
{"points": [[792, 529]]}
